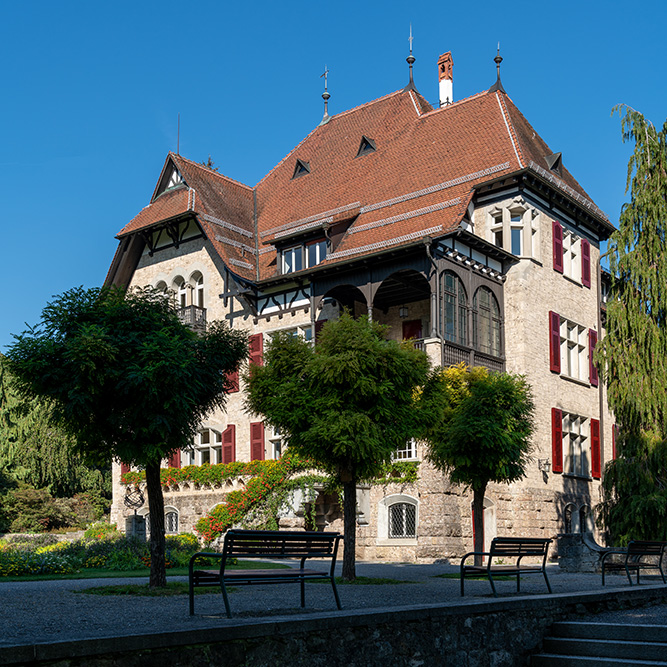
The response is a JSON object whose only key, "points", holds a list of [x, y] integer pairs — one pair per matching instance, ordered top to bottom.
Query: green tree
{"points": [[633, 352], [126, 378], [346, 404], [479, 428], [37, 453]]}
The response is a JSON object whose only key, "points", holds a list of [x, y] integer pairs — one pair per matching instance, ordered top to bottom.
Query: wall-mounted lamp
{"points": [[403, 312], [544, 465]]}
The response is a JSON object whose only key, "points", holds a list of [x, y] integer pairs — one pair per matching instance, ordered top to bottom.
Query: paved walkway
{"points": [[53, 611]]}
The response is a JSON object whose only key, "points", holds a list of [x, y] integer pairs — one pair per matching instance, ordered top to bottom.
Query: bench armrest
{"points": [[613, 552], [474, 553]]}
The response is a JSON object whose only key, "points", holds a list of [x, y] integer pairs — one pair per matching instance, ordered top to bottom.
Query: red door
{"points": [[412, 329]]}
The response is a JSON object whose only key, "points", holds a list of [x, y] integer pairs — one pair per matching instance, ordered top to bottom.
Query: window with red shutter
{"points": [[558, 246], [585, 263], [554, 341], [257, 349], [592, 370], [233, 380], [556, 440], [257, 441], [229, 444], [595, 448], [175, 459], [124, 467]]}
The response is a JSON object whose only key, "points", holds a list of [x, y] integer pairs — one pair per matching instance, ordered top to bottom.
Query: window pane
{"points": [[516, 241]]}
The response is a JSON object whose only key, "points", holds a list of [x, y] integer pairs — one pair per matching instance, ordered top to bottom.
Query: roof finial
{"points": [[410, 60], [497, 85], [325, 95]]}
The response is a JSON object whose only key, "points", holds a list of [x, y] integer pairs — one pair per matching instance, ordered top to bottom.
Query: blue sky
{"points": [[92, 93]]}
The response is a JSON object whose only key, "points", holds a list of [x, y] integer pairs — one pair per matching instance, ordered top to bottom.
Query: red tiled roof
{"points": [[417, 182]]}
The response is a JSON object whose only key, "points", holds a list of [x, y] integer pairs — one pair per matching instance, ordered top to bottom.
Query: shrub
{"points": [[32, 510], [100, 530]]}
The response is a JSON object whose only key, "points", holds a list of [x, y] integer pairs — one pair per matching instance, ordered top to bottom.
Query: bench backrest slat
{"points": [[278, 543], [516, 546], [645, 548]]}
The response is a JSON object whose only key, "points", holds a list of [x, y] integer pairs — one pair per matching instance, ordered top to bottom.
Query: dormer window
{"points": [[366, 146], [555, 162], [301, 168], [175, 179], [316, 252], [292, 259]]}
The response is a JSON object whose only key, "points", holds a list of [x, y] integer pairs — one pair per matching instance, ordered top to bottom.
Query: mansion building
{"points": [[456, 226]]}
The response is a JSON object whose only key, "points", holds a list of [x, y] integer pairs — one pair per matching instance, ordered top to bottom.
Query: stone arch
{"points": [[346, 296], [398, 518]]}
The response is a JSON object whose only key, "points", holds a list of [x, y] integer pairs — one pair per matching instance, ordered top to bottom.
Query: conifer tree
{"points": [[633, 353]]}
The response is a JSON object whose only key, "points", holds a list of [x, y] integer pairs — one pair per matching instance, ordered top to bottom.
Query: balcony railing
{"points": [[193, 317], [453, 354]]}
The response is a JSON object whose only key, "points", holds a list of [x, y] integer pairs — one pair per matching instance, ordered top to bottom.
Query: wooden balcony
{"points": [[193, 317]]}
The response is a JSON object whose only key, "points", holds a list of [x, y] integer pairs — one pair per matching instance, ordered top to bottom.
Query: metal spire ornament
{"points": [[410, 60], [497, 85], [325, 96]]}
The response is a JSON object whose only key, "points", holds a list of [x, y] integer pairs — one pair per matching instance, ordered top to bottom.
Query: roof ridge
{"points": [[366, 104], [454, 104], [511, 130], [208, 171]]}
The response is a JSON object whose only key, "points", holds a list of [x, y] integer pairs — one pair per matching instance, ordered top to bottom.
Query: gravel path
{"points": [[48, 611]]}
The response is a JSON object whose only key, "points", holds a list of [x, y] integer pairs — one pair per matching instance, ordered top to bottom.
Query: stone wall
{"points": [[498, 633]]}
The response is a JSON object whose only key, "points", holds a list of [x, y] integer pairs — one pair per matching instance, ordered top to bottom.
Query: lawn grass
{"points": [[93, 573]]}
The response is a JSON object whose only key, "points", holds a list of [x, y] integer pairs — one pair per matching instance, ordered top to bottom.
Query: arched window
{"points": [[197, 282], [181, 289], [454, 309], [486, 322], [398, 518], [170, 520], [402, 520]]}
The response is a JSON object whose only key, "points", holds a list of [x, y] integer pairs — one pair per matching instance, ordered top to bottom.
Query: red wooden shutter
{"points": [[558, 246], [585, 263], [554, 341], [257, 349], [592, 368], [233, 380], [614, 430], [556, 440], [257, 441], [229, 444], [595, 448], [175, 459], [124, 467]]}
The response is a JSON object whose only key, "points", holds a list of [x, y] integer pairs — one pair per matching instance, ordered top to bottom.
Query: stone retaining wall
{"points": [[497, 633]]}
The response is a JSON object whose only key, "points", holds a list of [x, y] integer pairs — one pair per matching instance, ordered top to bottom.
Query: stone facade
{"points": [[428, 285]]}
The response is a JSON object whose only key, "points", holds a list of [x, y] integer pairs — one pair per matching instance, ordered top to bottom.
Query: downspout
{"points": [[435, 298], [600, 380]]}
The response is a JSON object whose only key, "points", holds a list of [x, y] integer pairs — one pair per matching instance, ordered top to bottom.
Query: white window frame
{"points": [[512, 223], [321, 249], [292, 253], [571, 255], [304, 331], [574, 361], [275, 444], [576, 445], [207, 447], [406, 453], [169, 514], [384, 514]]}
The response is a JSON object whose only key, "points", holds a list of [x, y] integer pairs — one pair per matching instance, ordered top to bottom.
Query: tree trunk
{"points": [[478, 520], [349, 526], [158, 576]]}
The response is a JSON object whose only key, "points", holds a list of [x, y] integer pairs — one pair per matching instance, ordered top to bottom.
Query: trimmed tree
{"points": [[633, 353], [126, 379], [346, 404], [480, 430]]}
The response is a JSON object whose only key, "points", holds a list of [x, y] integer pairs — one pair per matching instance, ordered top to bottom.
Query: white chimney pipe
{"points": [[445, 67]]}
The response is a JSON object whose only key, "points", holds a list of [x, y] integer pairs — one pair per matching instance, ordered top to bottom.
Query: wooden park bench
{"points": [[265, 544], [514, 550], [632, 559]]}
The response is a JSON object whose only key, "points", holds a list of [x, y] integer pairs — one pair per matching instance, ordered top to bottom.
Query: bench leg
{"points": [[627, 571], [544, 572], [603, 574], [662, 574], [462, 577], [518, 583], [493, 585], [335, 590], [303, 591], [191, 592], [226, 599]]}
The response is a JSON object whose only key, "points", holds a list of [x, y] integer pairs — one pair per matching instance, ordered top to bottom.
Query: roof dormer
{"points": [[171, 178]]}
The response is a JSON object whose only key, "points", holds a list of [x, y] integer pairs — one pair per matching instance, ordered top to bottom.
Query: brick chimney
{"points": [[445, 67]]}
